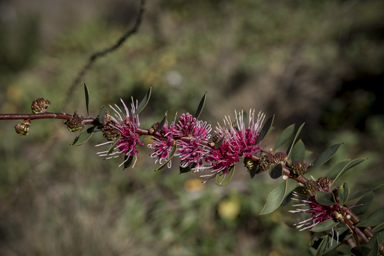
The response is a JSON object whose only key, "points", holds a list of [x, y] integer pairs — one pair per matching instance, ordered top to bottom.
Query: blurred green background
{"points": [[318, 62]]}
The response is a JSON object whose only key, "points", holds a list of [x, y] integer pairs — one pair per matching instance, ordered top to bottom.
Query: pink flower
{"points": [[186, 124], [127, 126], [238, 142], [163, 145], [192, 152]]}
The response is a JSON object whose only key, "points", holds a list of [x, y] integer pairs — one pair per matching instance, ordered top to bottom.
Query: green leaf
{"points": [[86, 97], [144, 101], [201, 106], [102, 113], [160, 126], [264, 131], [84, 136], [285, 136], [294, 140], [114, 144], [298, 152], [171, 154], [307, 154], [324, 157], [127, 162], [349, 166], [187, 169], [336, 169], [255, 170], [276, 171], [223, 179], [298, 189], [364, 192], [343, 194], [275, 198], [325, 198], [363, 204], [374, 219], [325, 225], [328, 244], [374, 245], [360, 250]]}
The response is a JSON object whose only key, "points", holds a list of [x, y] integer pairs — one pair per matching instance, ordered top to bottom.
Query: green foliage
{"points": [[144, 101], [201, 106], [266, 128], [83, 136], [325, 156], [222, 179], [275, 198], [325, 198]]}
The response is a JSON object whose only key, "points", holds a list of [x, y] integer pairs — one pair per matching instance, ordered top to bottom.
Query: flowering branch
{"points": [[190, 139]]}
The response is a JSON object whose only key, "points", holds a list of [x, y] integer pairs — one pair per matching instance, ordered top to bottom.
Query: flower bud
{"points": [[40, 105], [75, 123], [23, 128], [109, 132], [279, 156], [265, 162], [299, 168]]}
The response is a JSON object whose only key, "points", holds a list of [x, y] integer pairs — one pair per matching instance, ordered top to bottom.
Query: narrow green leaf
{"points": [[86, 97], [144, 101], [201, 106], [102, 113], [160, 126], [264, 131], [84, 136], [285, 136], [294, 140], [114, 144], [298, 152], [171, 154], [324, 157], [127, 162], [349, 166], [187, 169], [336, 169], [255, 170], [276, 171], [223, 179], [364, 192], [343, 194], [275, 198], [325, 198], [287, 199], [363, 204], [374, 219], [325, 225], [378, 229], [329, 242], [374, 245], [360, 250]]}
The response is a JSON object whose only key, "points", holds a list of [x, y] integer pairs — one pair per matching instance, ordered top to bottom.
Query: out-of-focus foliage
{"points": [[319, 62]]}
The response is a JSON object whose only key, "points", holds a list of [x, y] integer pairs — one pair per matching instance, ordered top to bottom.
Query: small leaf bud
{"points": [[40, 105], [75, 123], [23, 128], [299, 168]]}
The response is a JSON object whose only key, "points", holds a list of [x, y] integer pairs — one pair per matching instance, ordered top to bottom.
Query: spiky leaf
{"points": [[86, 97], [144, 101], [201, 106], [264, 131], [84, 136], [285, 136], [324, 157], [223, 179], [275, 198], [325, 198]]}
